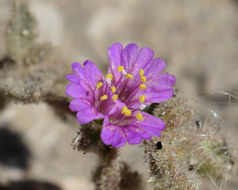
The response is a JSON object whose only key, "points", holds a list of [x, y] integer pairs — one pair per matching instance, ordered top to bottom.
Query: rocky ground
{"points": [[198, 40]]}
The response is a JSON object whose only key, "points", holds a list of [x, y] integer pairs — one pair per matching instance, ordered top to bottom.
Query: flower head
{"points": [[134, 80]]}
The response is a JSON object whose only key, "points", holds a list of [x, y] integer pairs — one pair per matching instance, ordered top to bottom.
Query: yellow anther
{"points": [[120, 68], [141, 72], [109, 76], [130, 76], [143, 79], [99, 85], [143, 86], [113, 89], [104, 97], [115, 97], [142, 98], [124, 109], [127, 112], [139, 116]]}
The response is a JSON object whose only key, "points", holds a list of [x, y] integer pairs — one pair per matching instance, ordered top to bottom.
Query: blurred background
{"points": [[198, 40]]}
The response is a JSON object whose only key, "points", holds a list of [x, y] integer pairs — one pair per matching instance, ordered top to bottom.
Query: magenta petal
{"points": [[114, 54], [129, 55], [144, 57], [155, 67], [78, 69], [93, 73], [87, 76], [73, 78], [84, 80], [166, 80], [159, 89], [75, 91], [153, 95], [157, 96], [79, 105], [116, 108], [86, 112], [88, 115], [152, 125], [112, 134], [107, 135], [132, 136], [119, 138]]}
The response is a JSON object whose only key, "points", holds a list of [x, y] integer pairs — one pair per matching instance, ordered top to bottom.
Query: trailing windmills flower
{"points": [[134, 80]]}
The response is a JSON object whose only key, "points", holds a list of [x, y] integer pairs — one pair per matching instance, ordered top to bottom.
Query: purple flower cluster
{"points": [[133, 82]]}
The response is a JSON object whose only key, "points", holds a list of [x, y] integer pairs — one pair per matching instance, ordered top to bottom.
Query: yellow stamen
{"points": [[120, 68], [141, 72], [109, 76], [130, 76], [143, 79], [99, 85], [143, 86], [113, 89], [104, 97], [115, 97], [142, 98], [123, 109], [127, 112], [139, 116]]}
